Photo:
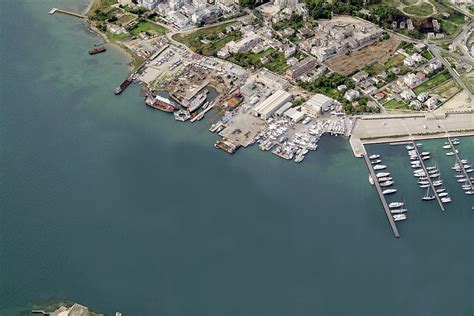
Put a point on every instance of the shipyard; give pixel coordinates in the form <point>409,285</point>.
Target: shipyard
<point>281,80</point>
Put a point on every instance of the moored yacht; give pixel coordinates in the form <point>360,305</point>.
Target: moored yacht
<point>395,204</point>
<point>380,167</point>
<point>389,191</point>
<point>399,217</point>
<point>374,156</point>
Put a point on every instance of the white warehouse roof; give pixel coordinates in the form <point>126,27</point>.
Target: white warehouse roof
<point>319,100</point>
<point>272,103</point>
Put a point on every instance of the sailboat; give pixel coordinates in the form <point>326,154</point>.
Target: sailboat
<point>428,196</point>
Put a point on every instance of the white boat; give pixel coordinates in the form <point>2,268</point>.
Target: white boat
<point>376,161</point>
<point>469,192</point>
<point>398,210</point>
<point>428,196</point>
<point>374,156</point>
<point>443,194</point>
<point>382,174</point>
<point>385,179</point>
<point>389,191</point>
<point>464,161</point>
<point>399,217</point>
<point>419,145</point>
<point>449,153</point>
<point>437,183</point>
<point>425,153</point>
<point>395,204</point>
<point>424,186</point>
<point>409,147</point>
<point>371,181</point>
<point>386,183</point>
<point>446,200</point>
<point>425,157</point>
<point>198,101</point>
<point>446,146</point>
<point>456,142</point>
<point>434,175</point>
<point>439,190</point>
<point>380,167</point>
<point>182,115</point>
<point>462,180</point>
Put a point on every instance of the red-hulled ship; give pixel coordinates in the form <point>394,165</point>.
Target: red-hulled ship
<point>160,103</point>
<point>96,50</point>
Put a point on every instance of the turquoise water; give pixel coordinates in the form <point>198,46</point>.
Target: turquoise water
<point>118,207</point>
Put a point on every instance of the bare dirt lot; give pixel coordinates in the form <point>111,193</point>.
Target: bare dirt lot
<point>380,51</point>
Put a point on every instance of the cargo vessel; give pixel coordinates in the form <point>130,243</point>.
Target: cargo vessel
<point>123,86</point>
<point>97,50</point>
<point>159,103</point>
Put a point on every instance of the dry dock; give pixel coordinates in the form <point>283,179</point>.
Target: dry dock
<point>428,176</point>
<point>382,197</point>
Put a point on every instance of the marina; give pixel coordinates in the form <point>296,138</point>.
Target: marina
<point>385,205</point>
<point>461,166</point>
<point>426,173</point>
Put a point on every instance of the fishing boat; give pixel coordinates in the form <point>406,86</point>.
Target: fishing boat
<point>428,196</point>
<point>399,217</point>
<point>380,167</point>
<point>389,191</point>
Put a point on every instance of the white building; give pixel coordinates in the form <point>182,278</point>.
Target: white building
<point>148,4</point>
<point>294,115</point>
<point>268,106</point>
<point>351,95</point>
<point>178,19</point>
<point>317,104</point>
<point>407,95</point>
<point>248,42</point>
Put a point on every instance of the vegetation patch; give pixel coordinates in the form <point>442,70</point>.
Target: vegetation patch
<point>433,82</point>
<point>395,105</point>
<point>144,26</point>
<point>205,41</point>
<point>276,60</point>
<point>421,10</point>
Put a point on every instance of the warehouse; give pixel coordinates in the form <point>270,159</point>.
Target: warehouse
<point>317,104</point>
<point>267,107</point>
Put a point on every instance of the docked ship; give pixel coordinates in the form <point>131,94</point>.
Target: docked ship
<point>198,101</point>
<point>226,146</point>
<point>97,50</point>
<point>182,115</point>
<point>123,86</point>
<point>159,103</point>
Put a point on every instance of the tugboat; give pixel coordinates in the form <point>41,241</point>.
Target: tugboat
<point>97,50</point>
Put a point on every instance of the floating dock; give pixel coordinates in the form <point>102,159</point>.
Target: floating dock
<point>77,15</point>
<point>458,159</point>
<point>381,196</point>
<point>428,176</point>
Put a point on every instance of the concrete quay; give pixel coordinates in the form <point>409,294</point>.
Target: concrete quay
<point>78,15</point>
<point>381,196</point>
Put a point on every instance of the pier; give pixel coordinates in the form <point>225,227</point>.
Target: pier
<point>201,114</point>
<point>458,159</point>
<point>381,196</point>
<point>77,15</point>
<point>428,176</point>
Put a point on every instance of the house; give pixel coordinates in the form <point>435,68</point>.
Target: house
<point>408,95</point>
<point>422,97</point>
<point>351,95</point>
<point>358,77</point>
<point>416,105</point>
<point>431,103</point>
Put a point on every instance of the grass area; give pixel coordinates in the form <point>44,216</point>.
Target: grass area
<point>471,9</point>
<point>116,37</point>
<point>447,89</point>
<point>433,82</point>
<point>124,19</point>
<point>421,10</point>
<point>194,39</point>
<point>377,67</point>
<point>277,61</point>
<point>427,54</point>
<point>102,5</point>
<point>449,28</point>
<point>395,105</point>
<point>147,27</point>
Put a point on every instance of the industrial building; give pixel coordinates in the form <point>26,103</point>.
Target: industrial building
<point>268,106</point>
<point>317,104</point>
<point>301,67</point>
<point>294,115</point>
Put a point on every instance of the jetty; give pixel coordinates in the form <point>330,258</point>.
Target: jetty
<point>458,159</point>
<point>428,176</point>
<point>201,114</point>
<point>381,196</point>
<point>77,15</point>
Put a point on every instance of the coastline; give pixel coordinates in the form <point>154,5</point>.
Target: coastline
<point>91,26</point>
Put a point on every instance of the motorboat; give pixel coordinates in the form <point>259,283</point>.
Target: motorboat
<point>380,167</point>
<point>385,179</point>
<point>446,199</point>
<point>371,181</point>
<point>382,174</point>
<point>386,183</point>
<point>409,147</point>
<point>389,191</point>
<point>399,217</point>
<point>376,161</point>
<point>395,204</point>
<point>443,194</point>
<point>449,153</point>
<point>374,156</point>
<point>447,146</point>
<point>398,210</point>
